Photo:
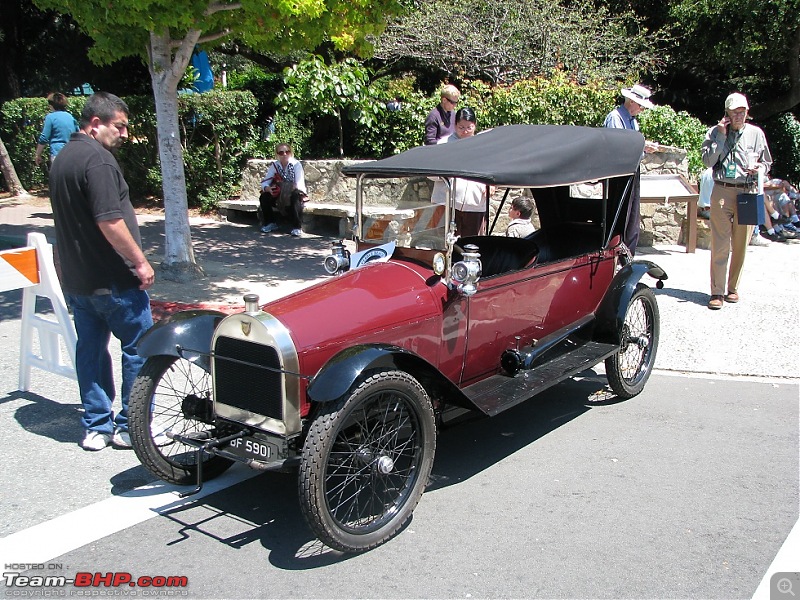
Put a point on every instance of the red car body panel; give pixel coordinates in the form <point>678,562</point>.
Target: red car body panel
<point>530,304</point>
<point>399,302</point>
<point>394,302</point>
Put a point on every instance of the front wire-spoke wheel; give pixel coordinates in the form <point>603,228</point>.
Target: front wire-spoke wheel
<point>172,395</point>
<point>366,461</point>
<point>629,369</point>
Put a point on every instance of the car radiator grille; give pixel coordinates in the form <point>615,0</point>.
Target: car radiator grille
<point>248,386</point>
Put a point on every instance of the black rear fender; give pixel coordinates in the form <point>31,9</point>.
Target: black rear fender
<point>611,313</point>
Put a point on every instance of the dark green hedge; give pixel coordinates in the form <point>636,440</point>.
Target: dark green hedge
<point>216,132</point>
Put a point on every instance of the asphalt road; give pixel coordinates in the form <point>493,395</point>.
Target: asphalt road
<point>685,491</point>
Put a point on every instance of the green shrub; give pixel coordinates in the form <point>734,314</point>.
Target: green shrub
<point>138,157</point>
<point>662,124</point>
<point>555,101</point>
<point>284,130</point>
<point>394,131</point>
<point>21,122</point>
<point>783,138</point>
<point>264,86</point>
<point>217,135</point>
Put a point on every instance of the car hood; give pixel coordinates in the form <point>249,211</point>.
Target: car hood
<point>366,303</point>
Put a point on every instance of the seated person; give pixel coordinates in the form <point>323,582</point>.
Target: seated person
<point>780,215</point>
<point>283,192</point>
<point>520,213</point>
<point>784,205</point>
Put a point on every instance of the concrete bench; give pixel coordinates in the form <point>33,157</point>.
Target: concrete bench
<point>233,209</point>
<point>345,213</point>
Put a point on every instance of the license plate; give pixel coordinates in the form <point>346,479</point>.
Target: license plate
<point>257,449</point>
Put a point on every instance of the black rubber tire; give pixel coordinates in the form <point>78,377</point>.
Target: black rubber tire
<point>629,369</point>
<point>157,404</point>
<point>366,461</point>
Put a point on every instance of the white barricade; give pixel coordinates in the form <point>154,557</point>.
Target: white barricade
<point>32,269</point>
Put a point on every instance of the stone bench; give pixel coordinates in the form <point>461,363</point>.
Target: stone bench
<point>345,213</point>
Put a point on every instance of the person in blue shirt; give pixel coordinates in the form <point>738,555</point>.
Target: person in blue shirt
<point>637,98</point>
<point>58,126</point>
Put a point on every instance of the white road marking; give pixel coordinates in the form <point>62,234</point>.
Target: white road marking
<point>43,542</point>
<point>787,560</point>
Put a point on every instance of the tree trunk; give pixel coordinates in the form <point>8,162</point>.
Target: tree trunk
<point>165,72</point>
<point>10,173</point>
<point>341,131</point>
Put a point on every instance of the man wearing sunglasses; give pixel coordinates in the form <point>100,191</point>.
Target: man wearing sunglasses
<point>441,120</point>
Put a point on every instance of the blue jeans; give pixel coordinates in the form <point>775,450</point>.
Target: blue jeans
<point>127,315</point>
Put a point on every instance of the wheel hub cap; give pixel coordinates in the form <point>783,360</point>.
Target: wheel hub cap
<point>385,465</point>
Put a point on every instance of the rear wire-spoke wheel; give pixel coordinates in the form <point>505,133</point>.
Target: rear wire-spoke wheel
<point>629,369</point>
<point>172,395</point>
<point>366,461</point>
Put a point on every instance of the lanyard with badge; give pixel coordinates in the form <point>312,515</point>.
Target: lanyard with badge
<point>730,160</point>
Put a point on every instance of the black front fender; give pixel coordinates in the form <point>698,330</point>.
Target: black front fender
<point>185,334</point>
<point>611,313</point>
<point>340,372</point>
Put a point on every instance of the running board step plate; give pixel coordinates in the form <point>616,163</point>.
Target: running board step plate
<point>500,392</point>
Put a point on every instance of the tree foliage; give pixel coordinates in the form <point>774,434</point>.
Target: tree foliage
<point>314,88</point>
<point>747,45</point>
<point>503,41</point>
<point>43,51</point>
<point>166,32</point>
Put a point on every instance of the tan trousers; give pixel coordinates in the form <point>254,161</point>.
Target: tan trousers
<point>727,237</point>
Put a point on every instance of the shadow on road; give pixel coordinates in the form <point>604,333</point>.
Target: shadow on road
<point>59,422</point>
<point>266,510</point>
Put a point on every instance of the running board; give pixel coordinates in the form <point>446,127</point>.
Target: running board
<point>500,392</point>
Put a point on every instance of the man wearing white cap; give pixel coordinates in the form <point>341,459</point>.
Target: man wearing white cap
<point>637,98</point>
<point>737,151</point>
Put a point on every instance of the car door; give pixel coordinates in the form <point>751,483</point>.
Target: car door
<point>529,304</point>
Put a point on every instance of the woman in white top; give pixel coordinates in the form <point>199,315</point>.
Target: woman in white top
<point>470,196</point>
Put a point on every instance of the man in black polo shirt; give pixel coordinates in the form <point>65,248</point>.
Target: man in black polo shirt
<point>103,269</point>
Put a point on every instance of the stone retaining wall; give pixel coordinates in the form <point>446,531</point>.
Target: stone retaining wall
<point>326,184</point>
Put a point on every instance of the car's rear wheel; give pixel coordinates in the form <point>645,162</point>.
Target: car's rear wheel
<point>366,461</point>
<point>629,369</point>
<point>172,395</point>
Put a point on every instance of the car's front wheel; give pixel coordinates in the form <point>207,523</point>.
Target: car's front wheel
<point>366,461</point>
<point>172,395</point>
<point>629,369</point>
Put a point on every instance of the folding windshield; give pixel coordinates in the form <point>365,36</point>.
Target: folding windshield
<point>400,210</point>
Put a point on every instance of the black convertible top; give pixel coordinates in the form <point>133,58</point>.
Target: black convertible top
<point>520,156</point>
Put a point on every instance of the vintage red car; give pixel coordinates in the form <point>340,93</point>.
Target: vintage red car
<point>348,380</point>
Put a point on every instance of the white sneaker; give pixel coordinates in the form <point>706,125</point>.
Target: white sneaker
<point>121,439</point>
<point>296,232</point>
<point>758,240</point>
<point>94,440</point>
<point>269,227</point>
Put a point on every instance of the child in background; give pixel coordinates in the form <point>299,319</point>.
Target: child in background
<point>520,213</point>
